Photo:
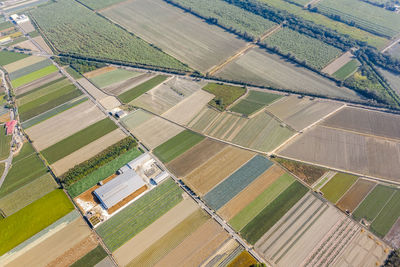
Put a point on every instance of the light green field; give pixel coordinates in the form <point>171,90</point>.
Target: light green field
<point>254,101</point>
<point>348,69</point>
<point>225,95</point>
<point>387,217</point>
<point>137,91</point>
<point>34,76</point>
<point>114,76</point>
<point>337,186</point>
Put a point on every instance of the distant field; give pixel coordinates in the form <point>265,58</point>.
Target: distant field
<point>255,100</point>
<point>392,78</point>
<point>28,69</point>
<point>10,57</point>
<point>99,4</point>
<point>337,186</point>
<point>225,95</point>
<point>78,140</point>
<point>395,51</point>
<point>387,217</point>
<point>243,259</point>
<point>107,40</point>
<point>33,76</point>
<point>182,35</point>
<point>32,219</point>
<point>313,52</point>
<point>73,73</point>
<point>177,145</point>
<point>137,91</point>
<point>92,258</point>
<point>141,213</point>
<point>363,15</point>
<point>4,143</point>
<point>355,195</point>
<point>113,76</point>
<point>348,69</point>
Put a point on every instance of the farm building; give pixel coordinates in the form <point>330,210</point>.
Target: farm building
<point>19,18</point>
<point>119,188</point>
<point>10,125</point>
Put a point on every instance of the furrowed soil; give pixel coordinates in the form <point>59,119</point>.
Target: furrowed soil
<point>355,195</point>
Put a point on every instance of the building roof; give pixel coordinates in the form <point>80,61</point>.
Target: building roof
<point>119,188</point>
<point>10,126</point>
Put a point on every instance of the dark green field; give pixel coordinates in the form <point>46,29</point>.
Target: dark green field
<point>92,258</point>
<point>254,101</point>
<point>387,217</point>
<point>137,91</point>
<point>10,57</point>
<point>225,95</point>
<point>348,69</point>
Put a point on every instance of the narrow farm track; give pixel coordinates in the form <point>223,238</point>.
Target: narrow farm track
<point>391,44</point>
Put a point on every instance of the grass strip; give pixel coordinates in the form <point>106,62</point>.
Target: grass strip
<point>78,140</point>
<point>33,76</point>
<point>92,258</point>
<point>137,91</point>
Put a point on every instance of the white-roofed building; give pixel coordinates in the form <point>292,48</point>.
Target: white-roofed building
<point>119,188</point>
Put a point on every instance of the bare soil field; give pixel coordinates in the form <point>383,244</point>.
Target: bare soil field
<point>54,246</point>
<point>366,122</point>
<point>338,63</point>
<point>393,236</point>
<point>156,131</point>
<point>121,87</point>
<point>251,192</point>
<point>197,247</point>
<point>260,67</point>
<point>27,45</point>
<point>345,150</point>
<point>37,83</point>
<point>180,34</point>
<point>154,232</point>
<point>27,26</point>
<point>136,118</point>
<point>206,176</point>
<point>43,44</point>
<point>355,195</point>
<point>301,112</point>
<point>195,157</point>
<point>224,254</point>
<point>87,152</point>
<point>23,63</point>
<point>94,73</point>
<point>108,102</point>
<point>63,125</point>
<point>185,110</point>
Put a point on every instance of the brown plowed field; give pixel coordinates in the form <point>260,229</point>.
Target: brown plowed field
<point>97,72</point>
<point>197,247</point>
<point>393,237</point>
<point>355,195</point>
<point>195,157</point>
<point>245,197</point>
<point>216,169</point>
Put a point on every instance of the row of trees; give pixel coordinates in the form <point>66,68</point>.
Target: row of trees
<point>79,65</point>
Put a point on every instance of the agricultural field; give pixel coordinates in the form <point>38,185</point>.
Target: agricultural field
<point>395,51</point>
<point>107,101</point>
<point>224,94</point>
<point>370,18</point>
<point>392,78</point>
<point>243,259</point>
<point>260,67</point>
<point>92,258</point>
<point>322,145</point>
<point>236,182</point>
<point>254,101</point>
<point>4,143</point>
<point>302,112</point>
<point>29,68</point>
<point>229,16</point>
<point>313,52</point>
<point>123,86</point>
<point>347,70</point>
<point>108,41</point>
<point>32,219</point>
<point>22,62</point>
<point>28,78</point>
<point>177,145</point>
<point>334,189</point>
<point>355,195</point>
<point>112,77</point>
<point>38,83</point>
<point>99,4</point>
<point>140,89</point>
<point>138,215</point>
<point>182,35</point>
<point>10,57</point>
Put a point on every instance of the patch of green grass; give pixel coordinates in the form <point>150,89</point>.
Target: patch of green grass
<point>33,76</point>
<point>141,213</point>
<point>26,150</point>
<point>373,203</point>
<point>29,69</point>
<point>262,97</point>
<point>261,201</point>
<point>246,107</point>
<point>337,186</point>
<point>387,217</point>
<point>348,69</point>
<point>177,145</point>
<point>111,77</point>
<point>253,102</point>
<point>137,91</point>
<point>76,75</point>
<point>6,25</point>
<point>78,140</point>
<point>92,258</point>
<point>225,95</point>
<point>271,214</point>
<point>102,173</point>
<point>4,143</point>
<point>7,57</point>
<point>32,219</point>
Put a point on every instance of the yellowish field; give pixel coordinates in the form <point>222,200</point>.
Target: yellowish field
<point>23,63</point>
<point>94,73</point>
<point>27,45</point>
<point>43,44</point>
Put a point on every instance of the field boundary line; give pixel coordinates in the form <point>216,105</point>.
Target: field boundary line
<point>329,173</point>
<point>362,200</point>
<point>389,199</point>
<point>347,190</point>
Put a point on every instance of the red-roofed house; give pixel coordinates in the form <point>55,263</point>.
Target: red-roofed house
<point>10,126</point>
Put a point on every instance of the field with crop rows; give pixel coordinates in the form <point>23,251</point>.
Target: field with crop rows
<point>355,195</point>
<point>4,143</point>
<point>337,186</point>
<point>363,15</point>
<point>260,67</point>
<point>236,182</point>
<point>108,41</point>
<point>254,100</point>
<point>138,215</point>
<point>10,57</point>
<point>114,76</point>
<point>348,69</point>
<point>313,52</point>
<point>33,76</point>
<point>387,216</point>
<point>92,258</point>
<point>137,91</point>
<point>33,218</point>
<point>182,35</point>
<point>28,69</point>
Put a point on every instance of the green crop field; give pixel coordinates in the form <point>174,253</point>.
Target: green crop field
<point>387,217</point>
<point>348,69</point>
<point>337,186</point>
<point>4,143</point>
<point>7,57</point>
<point>92,258</point>
<point>33,76</point>
<point>371,39</point>
<point>102,173</point>
<point>32,219</point>
<point>273,212</point>
<point>177,145</point>
<point>137,91</point>
<point>258,204</point>
<point>363,15</point>
<point>76,75</point>
<point>225,95</point>
<point>29,69</point>
<point>373,203</point>
<point>313,52</point>
<point>229,16</point>
<point>107,41</point>
<point>253,102</point>
<point>141,213</point>
<point>114,76</point>
<point>19,96</point>
<point>78,140</point>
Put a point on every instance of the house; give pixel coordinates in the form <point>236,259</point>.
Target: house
<point>10,125</point>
